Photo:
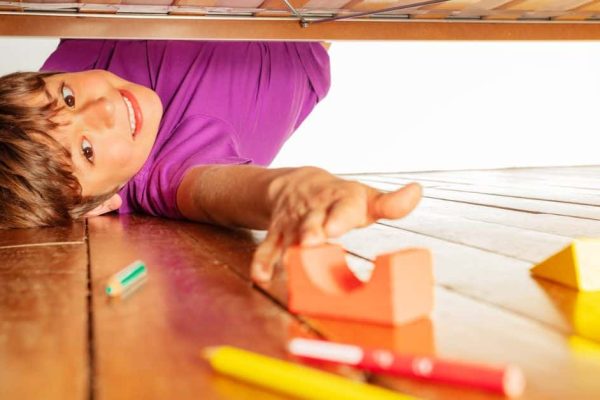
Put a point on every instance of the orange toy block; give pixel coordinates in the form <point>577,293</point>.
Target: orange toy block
<point>320,283</point>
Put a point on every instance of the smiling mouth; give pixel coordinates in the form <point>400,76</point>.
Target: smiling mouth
<point>133,111</point>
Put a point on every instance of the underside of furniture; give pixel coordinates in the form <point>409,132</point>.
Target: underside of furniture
<point>305,20</point>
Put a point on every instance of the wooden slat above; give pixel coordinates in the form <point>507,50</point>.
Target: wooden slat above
<point>212,28</point>
<point>450,8</point>
<point>275,20</point>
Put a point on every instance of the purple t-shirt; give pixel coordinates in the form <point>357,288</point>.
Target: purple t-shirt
<point>224,102</point>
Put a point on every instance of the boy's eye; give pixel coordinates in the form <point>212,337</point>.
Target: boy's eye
<point>87,150</point>
<point>68,96</point>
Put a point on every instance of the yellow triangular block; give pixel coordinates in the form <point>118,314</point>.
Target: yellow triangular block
<point>586,315</point>
<point>579,309</point>
<point>584,347</point>
<point>577,265</point>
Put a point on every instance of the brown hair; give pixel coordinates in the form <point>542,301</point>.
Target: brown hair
<point>37,185</point>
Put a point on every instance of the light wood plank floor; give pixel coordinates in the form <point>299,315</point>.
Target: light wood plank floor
<point>61,337</point>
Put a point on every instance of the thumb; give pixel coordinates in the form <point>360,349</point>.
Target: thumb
<point>397,204</point>
<point>115,202</point>
<point>109,205</point>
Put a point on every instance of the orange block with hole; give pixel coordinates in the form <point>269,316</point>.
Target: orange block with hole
<point>320,283</point>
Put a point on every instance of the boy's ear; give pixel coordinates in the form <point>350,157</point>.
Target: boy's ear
<point>109,205</point>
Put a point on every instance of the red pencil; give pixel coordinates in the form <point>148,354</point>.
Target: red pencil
<point>508,380</point>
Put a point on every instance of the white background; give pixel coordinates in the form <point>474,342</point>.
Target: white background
<point>405,106</point>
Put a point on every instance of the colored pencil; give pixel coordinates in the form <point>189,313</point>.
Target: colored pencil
<point>508,380</point>
<point>126,280</point>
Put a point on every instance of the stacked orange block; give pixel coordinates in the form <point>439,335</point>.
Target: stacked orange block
<point>400,289</point>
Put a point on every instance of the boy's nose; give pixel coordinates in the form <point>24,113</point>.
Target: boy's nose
<point>100,113</point>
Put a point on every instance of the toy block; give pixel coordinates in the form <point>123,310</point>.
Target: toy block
<point>584,348</point>
<point>320,283</point>
<point>577,265</point>
<point>579,309</point>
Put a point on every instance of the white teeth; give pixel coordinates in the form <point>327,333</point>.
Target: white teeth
<point>132,121</point>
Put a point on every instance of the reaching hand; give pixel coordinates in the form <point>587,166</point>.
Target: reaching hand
<point>311,205</point>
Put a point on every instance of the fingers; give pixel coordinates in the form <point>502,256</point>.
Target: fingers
<point>271,251</point>
<point>396,204</point>
<point>308,231</point>
<point>264,259</point>
<point>312,232</point>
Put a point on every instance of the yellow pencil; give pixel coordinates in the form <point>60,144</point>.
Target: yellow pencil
<point>292,379</point>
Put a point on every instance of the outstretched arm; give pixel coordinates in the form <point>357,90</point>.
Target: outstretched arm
<point>303,205</point>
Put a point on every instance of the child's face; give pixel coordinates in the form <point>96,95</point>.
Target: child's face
<point>106,151</point>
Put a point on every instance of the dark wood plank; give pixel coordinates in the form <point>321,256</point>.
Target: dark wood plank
<point>148,344</point>
<point>43,323</point>
<point>73,234</point>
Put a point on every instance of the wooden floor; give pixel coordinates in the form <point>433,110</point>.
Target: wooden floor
<point>61,338</point>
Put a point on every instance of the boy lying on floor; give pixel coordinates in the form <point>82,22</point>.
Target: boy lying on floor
<point>178,129</point>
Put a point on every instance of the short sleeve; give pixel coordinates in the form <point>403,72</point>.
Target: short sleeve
<point>73,55</point>
<point>198,140</point>
<point>315,61</point>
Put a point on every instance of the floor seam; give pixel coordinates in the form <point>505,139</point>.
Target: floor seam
<point>264,292</point>
<point>14,246</point>
<point>90,321</point>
